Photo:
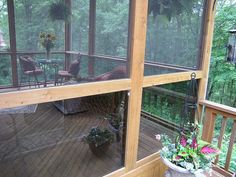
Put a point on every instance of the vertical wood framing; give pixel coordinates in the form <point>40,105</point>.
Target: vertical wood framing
<point>137,52</point>
<point>231,146</point>
<point>92,30</point>
<point>220,139</point>
<point>67,37</point>
<point>12,35</point>
<point>209,125</point>
<point>207,33</point>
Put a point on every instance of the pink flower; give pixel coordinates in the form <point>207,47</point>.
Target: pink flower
<point>208,150</point>
<point>183,141</point>
<point>194,143</point>
<point>158,137</point>
<point>178,157</point>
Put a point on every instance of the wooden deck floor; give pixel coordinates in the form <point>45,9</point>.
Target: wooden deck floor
<point>49,144</point>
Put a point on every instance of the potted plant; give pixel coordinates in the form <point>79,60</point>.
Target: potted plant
<point>189,155</point>
<point>99,140</point>
<point>59,11</point>
<point>115,123</point>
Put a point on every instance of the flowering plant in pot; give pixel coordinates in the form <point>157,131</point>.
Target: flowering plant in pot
<point>188,155</point>
<point>47,41</point>
<point>99,140</point>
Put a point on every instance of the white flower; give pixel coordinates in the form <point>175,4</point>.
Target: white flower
<point>158,137</point>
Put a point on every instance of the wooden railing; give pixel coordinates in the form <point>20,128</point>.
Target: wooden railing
<point>211,111</point>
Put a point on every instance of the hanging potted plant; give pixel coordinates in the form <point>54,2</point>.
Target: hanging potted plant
<point>59,11</point>
<point>188,155</point>
<point>99,140</point>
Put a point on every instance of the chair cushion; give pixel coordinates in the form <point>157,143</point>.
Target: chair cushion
<point>37,71</point>
<point>117,73</point>
<point>74,67</point>
<point>64,74</point>
<point>27,63</point>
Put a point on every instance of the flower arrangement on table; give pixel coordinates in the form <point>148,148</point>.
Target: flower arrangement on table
<point>47,41</point>
<point>188,151</point>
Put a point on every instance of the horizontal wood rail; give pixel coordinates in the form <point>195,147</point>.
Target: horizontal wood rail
<point>211,111</point>
<point>33,52</point>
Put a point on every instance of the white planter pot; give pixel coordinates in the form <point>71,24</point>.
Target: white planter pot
<point>176,171</point>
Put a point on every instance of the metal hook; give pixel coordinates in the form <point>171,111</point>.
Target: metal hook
<point>193,75</point>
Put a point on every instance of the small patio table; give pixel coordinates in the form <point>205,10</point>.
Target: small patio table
<point>47,65</point>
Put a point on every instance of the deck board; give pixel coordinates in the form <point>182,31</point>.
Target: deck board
<point>49,144</point>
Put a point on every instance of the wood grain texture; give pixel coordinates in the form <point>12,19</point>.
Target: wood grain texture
<point>221,109</point>
<point>207,36</point>
<point>220,139</point>
<point>137,44</point>
<point>149,81</point>
<point>209,125</point>
<point>20,98</point>
<point>231,146</point>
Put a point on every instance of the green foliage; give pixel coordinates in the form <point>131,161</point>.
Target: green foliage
<point>169,8</point>
<point>99,136</point>
<point>189,151</point>
<point>222,76</point>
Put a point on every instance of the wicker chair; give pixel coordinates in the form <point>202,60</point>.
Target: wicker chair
<point>29,68</point>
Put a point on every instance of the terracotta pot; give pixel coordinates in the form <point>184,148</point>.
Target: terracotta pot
<point>99,150</point>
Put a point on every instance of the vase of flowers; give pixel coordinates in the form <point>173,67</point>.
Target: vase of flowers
<point>47,41</point>
<point>188,155</point>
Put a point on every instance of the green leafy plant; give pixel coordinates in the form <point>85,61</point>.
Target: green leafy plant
<point>59,11</point>
<point>188,151</point>
<point>99,136</point>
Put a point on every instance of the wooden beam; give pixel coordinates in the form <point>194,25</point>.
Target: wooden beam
<point>169,78</point>
<point>92,31</point>
<point>209,125</point>
<point>67,37</point>
<point>27,97</point>
<point>138,19</point>
<point>208,27</point>
<point>224,110</point>
<point>12,35</point>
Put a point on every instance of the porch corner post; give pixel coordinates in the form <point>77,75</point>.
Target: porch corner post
<point>138,20</point>
<point>208,28</point>
<point>67,37</point>
<point>12,35</point>
<point>92,31</point>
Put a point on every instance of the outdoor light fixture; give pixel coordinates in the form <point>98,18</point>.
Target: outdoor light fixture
<point>231,47</point>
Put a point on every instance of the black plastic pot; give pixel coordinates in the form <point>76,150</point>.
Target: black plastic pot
<point>99,150</point>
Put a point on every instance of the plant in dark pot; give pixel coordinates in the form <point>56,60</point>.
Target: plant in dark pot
<point>99,140</point>
<point>59,11</point>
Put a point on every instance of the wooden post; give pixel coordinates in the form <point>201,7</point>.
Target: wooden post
<point>12,35</point>
<point>137,52</point>
<point>92,30</point>
<point>67,37</point>
<point>207,36</point>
